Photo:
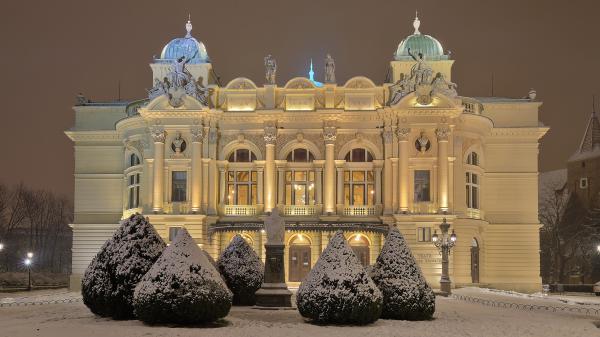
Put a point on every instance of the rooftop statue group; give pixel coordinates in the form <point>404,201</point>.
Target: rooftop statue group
<point>422,81</point>
<point>179,82</point>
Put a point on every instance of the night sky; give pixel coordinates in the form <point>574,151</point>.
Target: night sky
<point>51,50</point>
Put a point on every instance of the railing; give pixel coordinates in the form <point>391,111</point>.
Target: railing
<point>424,208</point>
<point>239,210</point>
<point>360,210</point>
<point>177,208</point>
<point>474,213</point>
<point>299,210</point>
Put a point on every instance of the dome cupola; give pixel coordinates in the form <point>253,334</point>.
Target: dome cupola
<point>187,46</point>
<point>417,43</point>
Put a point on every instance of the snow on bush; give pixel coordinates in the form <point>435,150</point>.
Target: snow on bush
<point>338,289</point>
<point>406,295</point>
<point>242,270</point>
<point>182,287</point>
<point>108,283</point>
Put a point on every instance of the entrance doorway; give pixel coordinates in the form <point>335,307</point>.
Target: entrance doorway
<point>475,261</point>
<point>300,259</point>
<point>360,246</point>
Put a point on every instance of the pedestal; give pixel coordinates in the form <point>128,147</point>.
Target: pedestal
<point>274,292</point>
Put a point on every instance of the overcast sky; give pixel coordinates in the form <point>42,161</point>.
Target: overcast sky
<point>51,50</point>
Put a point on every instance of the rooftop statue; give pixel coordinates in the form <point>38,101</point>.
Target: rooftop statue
<point>329,69</point>
<point>271,69</point>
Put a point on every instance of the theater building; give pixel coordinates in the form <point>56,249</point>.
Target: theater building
<point>355,156</point>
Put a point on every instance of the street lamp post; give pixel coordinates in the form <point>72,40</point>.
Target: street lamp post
<point>28,262</point>
<point>444,244</point>
<point>1,250</point>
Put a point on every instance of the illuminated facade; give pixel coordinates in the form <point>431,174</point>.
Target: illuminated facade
<point>356,156</point>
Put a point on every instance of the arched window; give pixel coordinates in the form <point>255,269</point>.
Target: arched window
<point>242,156</point>
<point>360,246</point>
<point>473,159</point>
<point>134,160</point>
<point>472,187</point>
<point>359,155</point>
<point>300,156</point>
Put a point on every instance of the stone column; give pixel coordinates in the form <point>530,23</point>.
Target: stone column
<point>403,133</point>
<point>197,138</point>
<point>340,188</point>
<point>213,174</point>
<point>223,187</point>
<point>442,137</point>
<point>378,187</point>
<point>280,186</point>
<point>158,136</point>
<point>270,136</point>
<point>259,185</point>
<point>388,138</point>
<point>329,135</point>
<point>318,187</point>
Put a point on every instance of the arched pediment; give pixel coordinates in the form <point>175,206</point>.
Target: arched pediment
<point>437,101</point>
<point>241,83</point>
<point>299,83</point>
<point>360,143</point>
<point>359,82</point>
<point>296,144</point>
<point>162,103</point>
<point>236,144</point>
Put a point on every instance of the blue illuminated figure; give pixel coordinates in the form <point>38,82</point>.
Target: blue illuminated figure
<point>311,76</point>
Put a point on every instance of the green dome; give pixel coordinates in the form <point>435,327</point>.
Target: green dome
<point>420,43</point>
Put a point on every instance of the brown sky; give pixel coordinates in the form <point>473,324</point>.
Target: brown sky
<point>53,49</point>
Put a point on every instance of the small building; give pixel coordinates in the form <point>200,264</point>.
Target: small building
<point>358,157</point>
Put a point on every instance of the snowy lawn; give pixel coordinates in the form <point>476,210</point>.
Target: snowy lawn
<point>452,318</point>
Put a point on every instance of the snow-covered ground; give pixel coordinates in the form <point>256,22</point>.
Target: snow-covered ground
<point>452,318</point>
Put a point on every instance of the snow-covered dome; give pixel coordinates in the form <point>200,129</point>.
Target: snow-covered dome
<point>417,43</point>
<point>187,46</point>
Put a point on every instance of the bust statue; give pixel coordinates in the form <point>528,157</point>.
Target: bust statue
<point>275,227</point>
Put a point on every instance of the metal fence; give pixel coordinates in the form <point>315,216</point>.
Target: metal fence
<point>528,307</point>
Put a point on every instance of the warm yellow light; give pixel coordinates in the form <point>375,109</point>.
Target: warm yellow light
<point>357,237</point>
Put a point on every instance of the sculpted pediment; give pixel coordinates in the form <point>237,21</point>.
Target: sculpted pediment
<point>428,103</point>
<point>163,103</point>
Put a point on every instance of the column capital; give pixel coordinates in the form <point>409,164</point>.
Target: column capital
<point>402,133</point>
<point>388,135</point>
<point>270,133</point>
<point>442,133</point>
<point>158,133</point>
<point>329,134</point>
<point>197,134</point>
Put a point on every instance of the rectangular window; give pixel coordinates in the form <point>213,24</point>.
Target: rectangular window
<point>133,200</point>
<point>423,234</point>
<point>422,186</point>
<point>173,232</point>
<point>583,183</point>
<point>179,186</point>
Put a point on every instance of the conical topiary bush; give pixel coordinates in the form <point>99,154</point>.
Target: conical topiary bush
<point>108,283</point>
<point>182,287</point>
<point>242,270</point>
<point>406,295</point>
<point>338,289</point>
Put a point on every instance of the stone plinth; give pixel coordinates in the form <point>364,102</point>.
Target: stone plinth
<point>274,292</point>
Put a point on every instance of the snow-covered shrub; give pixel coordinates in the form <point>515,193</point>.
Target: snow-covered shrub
<point>242,270</point>
<point>338,289</point>
<point>108,283</point>
<point>182,287</point>
<point>406,295</point>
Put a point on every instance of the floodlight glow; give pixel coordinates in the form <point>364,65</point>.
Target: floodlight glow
<point>27,262</point>
<point>29,255</point>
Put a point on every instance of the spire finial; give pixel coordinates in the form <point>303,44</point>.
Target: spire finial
<point>188,26</point>
<point>417,23</point>
<point>311,73</point>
